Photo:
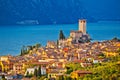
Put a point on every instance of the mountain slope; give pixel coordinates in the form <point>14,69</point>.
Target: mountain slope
<point>45,11</point>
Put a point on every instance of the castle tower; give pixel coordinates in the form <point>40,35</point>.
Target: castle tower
<point>82,26</point>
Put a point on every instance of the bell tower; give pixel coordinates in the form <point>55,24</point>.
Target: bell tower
<point>82,26</point>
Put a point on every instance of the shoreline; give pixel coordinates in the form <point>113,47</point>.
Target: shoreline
<point>92,41</point>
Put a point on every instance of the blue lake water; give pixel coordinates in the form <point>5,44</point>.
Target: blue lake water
<point>12,38</point>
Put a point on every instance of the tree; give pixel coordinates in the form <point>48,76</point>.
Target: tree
<point>39,71</point>
<point>57,43</point>
<point>33,46</point>
<point>42,78</point>
<point>38,45</point>
<point>27,74</point>
<point>69,70</point>
<point>29,48</point>
<point>118,51</point>
<point>23,50</point>
<point>30,75</point>
<point>61,35</point>
<point>116,39</point>
<point>61,77</point>
<point>35,73</point>
<point>3,77</point>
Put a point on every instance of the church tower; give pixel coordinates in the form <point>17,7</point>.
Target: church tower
<point>82,26</point>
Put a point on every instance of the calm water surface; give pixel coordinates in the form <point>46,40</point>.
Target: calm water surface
<point>12,38</point>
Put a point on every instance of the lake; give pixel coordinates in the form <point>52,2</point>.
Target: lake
<point>12,38</point>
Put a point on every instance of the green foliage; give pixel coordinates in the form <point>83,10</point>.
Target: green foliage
<point>39,71</point>
<point>35,73</point>
<point>42,77</point>
<point>118,51</point>
<point>69,70</point>
<point>61,77</point>
<point>24,50</point>
<point>102,55</point>
<point>57,42</point>
<point>116,39</point>
<point>106,71</point>
<point>3,77</point>
<point>29,48</point>
<point>73,66</point>
<point>67,78</point>
<point>101,71</point>
<point>27,74</point>
<point>38,45</point>
<point>61,35</point>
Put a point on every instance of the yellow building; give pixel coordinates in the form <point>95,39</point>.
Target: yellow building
<point>79,73</point>
<point>18,68</point>
<point>4,66</point>
<point>4,58</point>
<point>110,53</point>
<point>74,75</point>
<point>55,74</point>
<point>118,45</point>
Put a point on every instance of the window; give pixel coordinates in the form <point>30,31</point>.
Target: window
<point>84,21</point>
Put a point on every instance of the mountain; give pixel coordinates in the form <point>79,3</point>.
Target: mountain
<point>43,11</point>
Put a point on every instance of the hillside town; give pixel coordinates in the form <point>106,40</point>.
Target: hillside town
<point>66,59</point>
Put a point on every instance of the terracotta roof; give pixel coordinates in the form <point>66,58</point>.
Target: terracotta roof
<point>78,61</point>
<point>4,63</point>
<point>39,63</point>
<point>83,72</point>
<point>18,64</point>
<point>55,71</point>
<point>76,31</point>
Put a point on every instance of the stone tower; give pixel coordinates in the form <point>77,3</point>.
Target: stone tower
<point>82,26</point>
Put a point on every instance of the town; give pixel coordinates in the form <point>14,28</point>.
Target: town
<point>72,58</point>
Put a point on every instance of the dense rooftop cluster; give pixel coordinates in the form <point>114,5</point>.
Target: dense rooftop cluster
<point>53,60</point>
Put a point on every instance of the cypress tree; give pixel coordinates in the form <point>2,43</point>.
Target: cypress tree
<point>27,74</point>
<point>39,71</point>
<point>61,35</point>
<point>38,45</point>
<point>29,48</point>
<point>35,73</point>
<point>23,50</point>
<point>3,77</point>
<point>57,42</point>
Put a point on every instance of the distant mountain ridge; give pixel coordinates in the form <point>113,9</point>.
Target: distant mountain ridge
<point>44,11</point>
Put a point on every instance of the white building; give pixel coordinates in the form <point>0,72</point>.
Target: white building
<point>43,70</point>
<point>30,70</point>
